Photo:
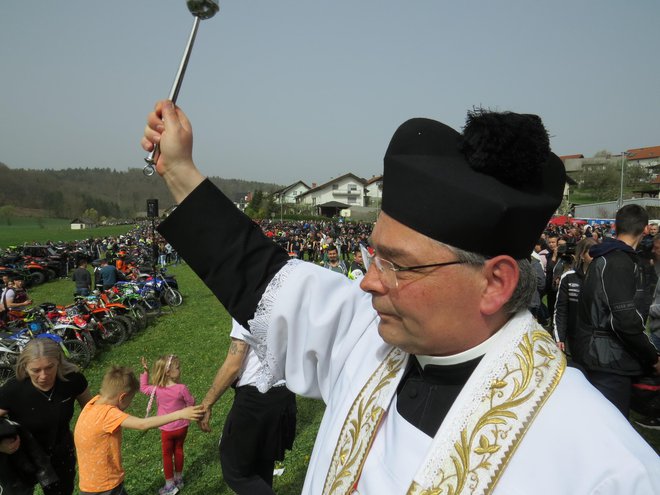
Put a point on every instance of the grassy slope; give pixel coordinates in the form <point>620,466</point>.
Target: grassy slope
<point>198,332</point>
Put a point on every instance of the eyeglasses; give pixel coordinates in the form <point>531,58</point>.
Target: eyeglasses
<point>387,270</point>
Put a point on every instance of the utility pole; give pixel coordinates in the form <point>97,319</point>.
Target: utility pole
<point>623,164</point>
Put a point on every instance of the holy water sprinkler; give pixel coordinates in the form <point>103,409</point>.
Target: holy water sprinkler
<point>200,9</point>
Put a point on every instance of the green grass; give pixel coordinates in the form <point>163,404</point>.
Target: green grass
<point>20,230</point>
<point>198,332</point>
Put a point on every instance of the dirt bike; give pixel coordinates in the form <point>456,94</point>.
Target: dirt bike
<point>165,286</point>
<point>13,343</point>
<point>105,328</point>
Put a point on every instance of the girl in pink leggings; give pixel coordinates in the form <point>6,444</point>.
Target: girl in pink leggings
<point>170,396</point>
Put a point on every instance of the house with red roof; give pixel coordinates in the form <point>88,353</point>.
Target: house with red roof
<point>647,157</point>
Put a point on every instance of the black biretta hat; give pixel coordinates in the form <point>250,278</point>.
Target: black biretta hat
<point>490,190</point>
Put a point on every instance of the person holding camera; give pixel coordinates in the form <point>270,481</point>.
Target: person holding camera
<point>41,400</point>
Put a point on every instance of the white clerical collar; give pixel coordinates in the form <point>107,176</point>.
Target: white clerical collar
<point>461,357</point>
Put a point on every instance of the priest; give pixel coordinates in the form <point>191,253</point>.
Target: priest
<point>436,377</point>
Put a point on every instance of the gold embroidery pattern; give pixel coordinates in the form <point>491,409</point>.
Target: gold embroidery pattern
<point>489,440</point>
<point>360,425</point>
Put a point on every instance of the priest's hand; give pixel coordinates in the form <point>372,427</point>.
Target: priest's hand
<point>169,127</point>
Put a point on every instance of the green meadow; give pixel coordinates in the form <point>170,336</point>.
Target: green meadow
<point>16,231</point>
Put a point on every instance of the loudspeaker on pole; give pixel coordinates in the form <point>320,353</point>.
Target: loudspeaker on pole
<point>152,208</point>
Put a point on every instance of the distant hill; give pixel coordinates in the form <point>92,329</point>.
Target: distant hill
<point>119,194</point>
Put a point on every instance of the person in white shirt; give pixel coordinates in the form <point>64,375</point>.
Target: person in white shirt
<point>260,425</point>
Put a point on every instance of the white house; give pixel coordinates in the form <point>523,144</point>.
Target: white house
<point>82,223</point>
<point>290,194</point>
<point>373,191</point>
<point>336,194</point>
<point>647,157</point>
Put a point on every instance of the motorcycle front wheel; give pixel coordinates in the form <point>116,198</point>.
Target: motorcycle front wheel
<point>172,297</point>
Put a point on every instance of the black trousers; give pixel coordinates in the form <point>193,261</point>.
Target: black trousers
<point>615,388</point>
<point>64,463</point>
<point>257,431</point>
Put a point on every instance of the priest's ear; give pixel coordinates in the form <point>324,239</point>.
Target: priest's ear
<point>502,275</point>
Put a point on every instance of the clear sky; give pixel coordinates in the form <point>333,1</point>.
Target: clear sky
<point>283,90</point>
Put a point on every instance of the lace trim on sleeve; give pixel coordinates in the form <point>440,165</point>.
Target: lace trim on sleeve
<point>271,370</point>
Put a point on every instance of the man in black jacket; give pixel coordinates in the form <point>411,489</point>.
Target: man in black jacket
<point>611,343</point>
<point>82,278</point>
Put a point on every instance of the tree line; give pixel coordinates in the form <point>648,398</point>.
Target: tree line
<point>70,193</point>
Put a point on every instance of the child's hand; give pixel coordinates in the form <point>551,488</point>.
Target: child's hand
<point>193,413</point>
<point>145,364</point>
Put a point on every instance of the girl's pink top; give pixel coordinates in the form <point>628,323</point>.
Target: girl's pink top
<point>170,399</point>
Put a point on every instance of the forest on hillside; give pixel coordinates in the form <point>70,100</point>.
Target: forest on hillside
<point>72,192</point>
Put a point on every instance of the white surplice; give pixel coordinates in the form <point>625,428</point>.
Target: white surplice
<point>318,330</point>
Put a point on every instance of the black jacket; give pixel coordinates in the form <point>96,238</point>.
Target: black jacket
<point>566,307</point>
<point>210,249</point>
<point>610,330</point>
<point>28,465</point>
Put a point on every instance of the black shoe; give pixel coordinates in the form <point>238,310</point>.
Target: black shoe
<point>650,423</point>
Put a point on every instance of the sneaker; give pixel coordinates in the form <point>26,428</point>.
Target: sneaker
<point>650,423</point>
<point>178,482</point>
<point>168,490</point>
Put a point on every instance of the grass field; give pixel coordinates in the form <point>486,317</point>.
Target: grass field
<point>20,230</point>
<point>198,332</point>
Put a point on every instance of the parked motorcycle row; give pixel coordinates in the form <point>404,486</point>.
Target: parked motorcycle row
<point>88,324</point>
<point>35,264</point>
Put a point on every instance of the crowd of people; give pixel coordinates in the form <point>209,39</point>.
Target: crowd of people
<point>600,287</point>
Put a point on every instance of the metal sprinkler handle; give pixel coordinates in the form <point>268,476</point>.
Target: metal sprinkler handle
<point>201,9</point>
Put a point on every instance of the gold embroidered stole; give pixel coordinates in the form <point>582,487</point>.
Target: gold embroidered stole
<point>362,422</point>
<point>470,454</point>
<point>483,428</point>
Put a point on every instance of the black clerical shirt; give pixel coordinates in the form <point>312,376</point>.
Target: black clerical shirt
<point>425,396</point>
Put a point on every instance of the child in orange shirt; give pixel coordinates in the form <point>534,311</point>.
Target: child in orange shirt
<point>98,432</point>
